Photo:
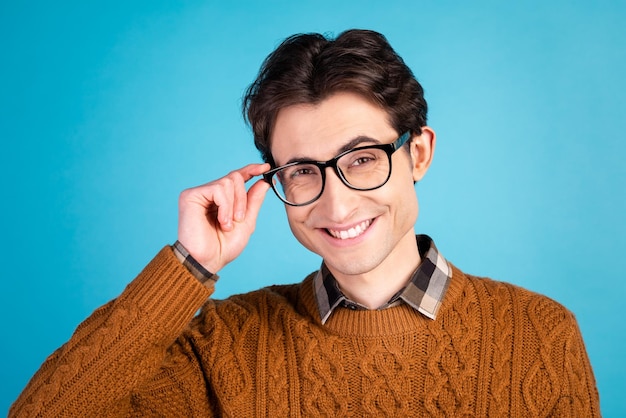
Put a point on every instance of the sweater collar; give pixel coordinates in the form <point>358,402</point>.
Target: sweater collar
<point>424,292</point>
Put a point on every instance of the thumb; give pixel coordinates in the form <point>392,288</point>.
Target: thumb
<point>256,196</point>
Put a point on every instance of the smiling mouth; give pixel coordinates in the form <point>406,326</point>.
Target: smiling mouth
<point>353,232</point>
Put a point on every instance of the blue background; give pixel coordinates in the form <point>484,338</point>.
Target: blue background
<point>109,109</point>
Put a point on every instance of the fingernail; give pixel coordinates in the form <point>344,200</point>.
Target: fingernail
<point>239,216</point>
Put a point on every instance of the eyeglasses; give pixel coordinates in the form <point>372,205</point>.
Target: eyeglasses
<point>364,168</point>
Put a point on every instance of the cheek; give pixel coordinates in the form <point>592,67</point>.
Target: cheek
<point>297,216</point>
<point>294,214</point>
<point>404,197</point>
<point>411,209</point>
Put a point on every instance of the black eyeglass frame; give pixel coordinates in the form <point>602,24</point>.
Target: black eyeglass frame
<point>389,149</point>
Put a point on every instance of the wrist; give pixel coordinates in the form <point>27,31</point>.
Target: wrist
<point>195,268</point>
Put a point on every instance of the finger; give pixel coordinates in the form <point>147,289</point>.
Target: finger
<point>253,170</point>
<point>240,197</point>
<point>223,196</point>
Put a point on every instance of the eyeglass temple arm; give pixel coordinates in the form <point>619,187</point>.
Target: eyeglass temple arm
<point>402,140</point>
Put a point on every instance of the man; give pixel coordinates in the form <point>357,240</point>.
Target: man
<point>386,327</point>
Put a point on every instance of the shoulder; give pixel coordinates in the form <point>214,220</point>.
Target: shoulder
<point>271,301</point>
<point>540,311</point>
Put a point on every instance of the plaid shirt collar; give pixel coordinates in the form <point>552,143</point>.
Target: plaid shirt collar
<point>424,292</point>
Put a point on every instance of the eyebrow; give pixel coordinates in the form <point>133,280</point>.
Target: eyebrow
<point>353,143</point>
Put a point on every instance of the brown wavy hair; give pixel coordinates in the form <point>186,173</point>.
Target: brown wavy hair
<point>307,68</point>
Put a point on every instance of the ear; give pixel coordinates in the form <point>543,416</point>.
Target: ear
<point>422,150</point>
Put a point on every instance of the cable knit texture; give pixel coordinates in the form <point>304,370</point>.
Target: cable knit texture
<point>494,350</point>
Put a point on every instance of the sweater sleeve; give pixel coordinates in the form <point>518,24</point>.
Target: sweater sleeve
<point>580,394</point>
<point>119,348</point>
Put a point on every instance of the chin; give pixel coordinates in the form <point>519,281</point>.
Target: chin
<point>350,266</point>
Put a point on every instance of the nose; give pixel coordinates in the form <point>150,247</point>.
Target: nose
<point>337,199</point>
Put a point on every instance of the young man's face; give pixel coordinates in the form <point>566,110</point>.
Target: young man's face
<point>380,221</point>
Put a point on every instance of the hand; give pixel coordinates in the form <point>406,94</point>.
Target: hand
<point>215,220</point>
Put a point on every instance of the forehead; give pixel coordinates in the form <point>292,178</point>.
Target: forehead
<point>318,131</point>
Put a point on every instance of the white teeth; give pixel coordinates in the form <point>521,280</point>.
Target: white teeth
<point>352,232</point>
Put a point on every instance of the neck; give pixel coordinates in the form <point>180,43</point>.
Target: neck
<point>376,287</point>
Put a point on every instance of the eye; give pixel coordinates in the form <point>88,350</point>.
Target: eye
<point>299,172</point>
<point>302,171</point>
<point>362,159</point>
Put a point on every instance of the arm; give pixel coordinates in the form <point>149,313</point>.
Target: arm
<point>119,346</point>
<point>123,344</point>
<point>581,394</point>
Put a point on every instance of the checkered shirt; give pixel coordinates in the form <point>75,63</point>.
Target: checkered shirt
<point>424,292</point>
<point>196,269</point>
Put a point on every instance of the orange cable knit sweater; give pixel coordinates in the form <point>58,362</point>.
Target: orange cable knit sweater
<point>494,350</point>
